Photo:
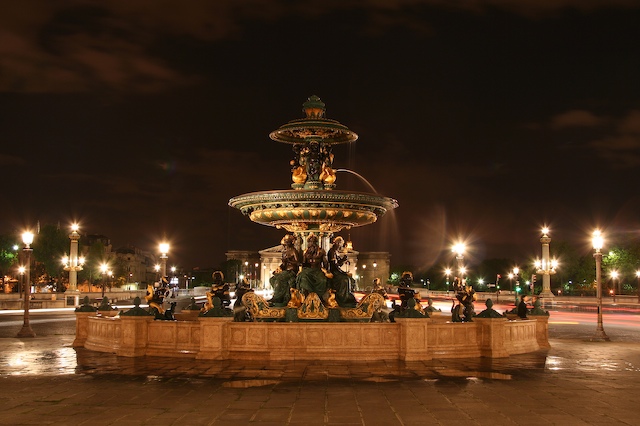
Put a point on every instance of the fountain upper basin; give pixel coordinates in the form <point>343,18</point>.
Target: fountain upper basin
<point>303,210</point>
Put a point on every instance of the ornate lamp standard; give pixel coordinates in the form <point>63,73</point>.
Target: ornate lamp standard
<point>164,249</point>
<point>26,331</point>
<point>598,241</point>
<point>74,264</point>
<point>638,276</point>
<point>545,266</point>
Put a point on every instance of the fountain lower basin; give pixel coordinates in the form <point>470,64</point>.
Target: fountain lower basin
<point>221,338</point>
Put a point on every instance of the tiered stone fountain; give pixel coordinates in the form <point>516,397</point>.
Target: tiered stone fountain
<point>313,205</point>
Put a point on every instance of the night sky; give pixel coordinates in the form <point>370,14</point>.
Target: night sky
<point>485,120</point>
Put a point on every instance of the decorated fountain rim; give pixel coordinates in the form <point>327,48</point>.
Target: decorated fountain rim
<point>292,197</point>
<point>315,126</point>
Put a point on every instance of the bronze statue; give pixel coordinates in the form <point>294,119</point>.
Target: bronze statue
<point>340,282</point>
<point>240,311</point>
<point>219,289</point>
<point>312,278</point>
<point>285,278</point>
<point>155,296</point>
<point>377,288</point>
<point>404,289</point>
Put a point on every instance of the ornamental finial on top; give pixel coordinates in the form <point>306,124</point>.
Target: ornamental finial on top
<point>314,107</point>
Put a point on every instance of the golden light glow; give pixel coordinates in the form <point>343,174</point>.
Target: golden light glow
<point>75,227</point>
<point>104,267</point>
<point>614,274</point>
<point>545,231</point>
<point>458,249</point>
<point>597,240</point>
<point>164,248</point>
<point>447,272</point>
<point>27,238</point>
<point>516,270</point>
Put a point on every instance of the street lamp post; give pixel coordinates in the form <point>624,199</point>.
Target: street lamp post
<point>638,289</point>
<point>26,331</point>
<point>516,272</point>
<point>447,272</point>
<point>103,270</point>
<point>21,271</point>
<point>598,241</point>
<point>164,250</point>
<point>255,274</point>
<point>614,277</point>
<point>546,267</point>
<point>459,249</point>
<point>74,263</point>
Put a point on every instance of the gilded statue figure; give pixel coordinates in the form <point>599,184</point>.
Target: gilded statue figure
<point>340,282</point>
<point>285,278</point>
<point>312,278</point>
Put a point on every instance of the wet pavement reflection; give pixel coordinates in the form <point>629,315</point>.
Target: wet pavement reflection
<point>55,356</point>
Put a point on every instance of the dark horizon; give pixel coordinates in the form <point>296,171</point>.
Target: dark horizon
<point>485,120</point>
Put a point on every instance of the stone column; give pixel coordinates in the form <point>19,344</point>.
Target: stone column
<point>413,339</point>
<point>134,335</point>
<point>82,327</point>
<point>491,337</point>
<point>214,339</point>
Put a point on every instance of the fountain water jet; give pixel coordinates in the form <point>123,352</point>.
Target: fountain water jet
<point>362,178</point>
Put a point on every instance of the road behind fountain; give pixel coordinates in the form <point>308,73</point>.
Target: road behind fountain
<point>46,381</point>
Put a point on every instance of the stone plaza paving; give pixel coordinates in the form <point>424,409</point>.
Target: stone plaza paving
<point>576,382</point>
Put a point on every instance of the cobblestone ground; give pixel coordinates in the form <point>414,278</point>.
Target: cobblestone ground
<point>576,382</point>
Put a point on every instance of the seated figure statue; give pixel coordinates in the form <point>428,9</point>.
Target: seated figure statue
<point>219,289</point>
<point>312,278</point>
<point>404,289</point>
<point>340,282</point>
<point>240,311</point>
<point>285,278</point>
<point>377,288</point>
<point>155,296</point>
